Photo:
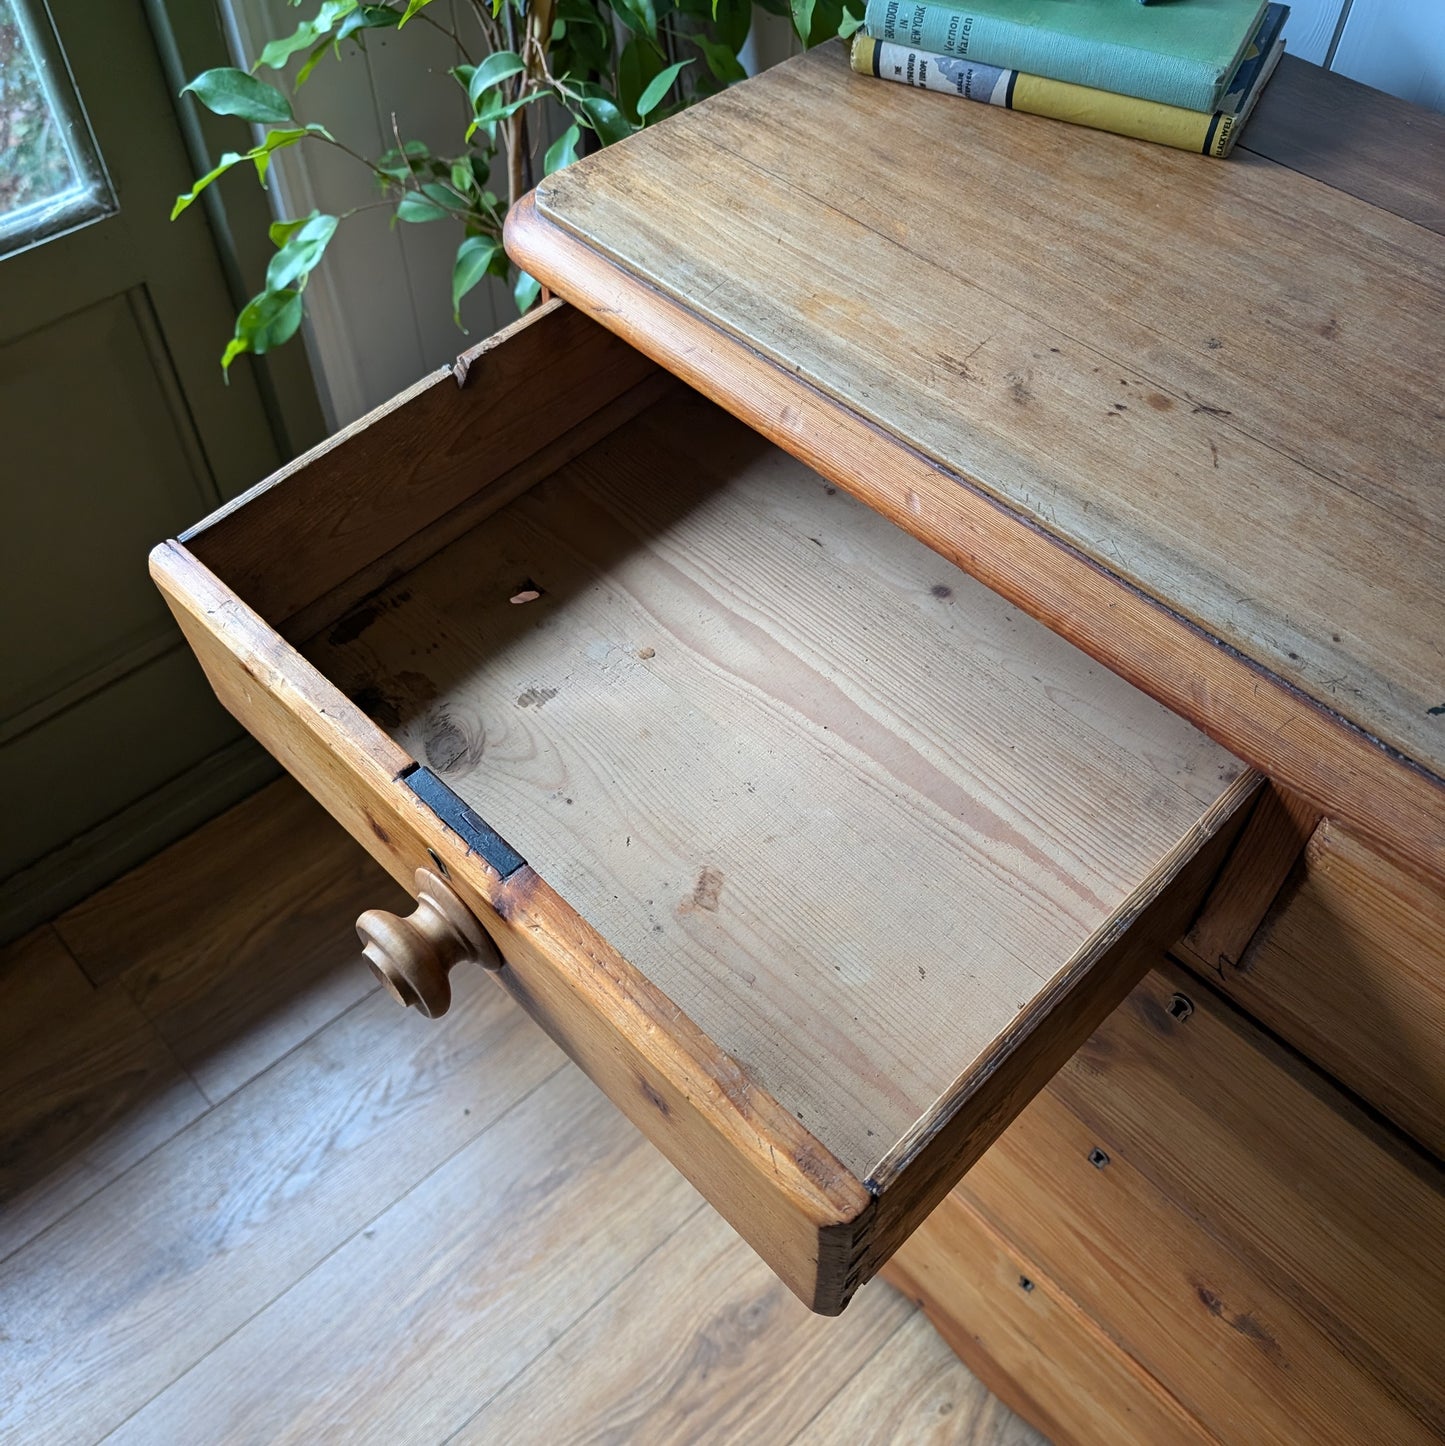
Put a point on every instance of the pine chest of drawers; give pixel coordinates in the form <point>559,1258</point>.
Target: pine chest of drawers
<point>941,717</point>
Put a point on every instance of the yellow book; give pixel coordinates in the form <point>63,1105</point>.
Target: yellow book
<point>1210,134</point>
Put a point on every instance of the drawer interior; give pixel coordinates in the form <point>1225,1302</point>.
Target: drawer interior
<point>847,808</point>
<point>820,858</point>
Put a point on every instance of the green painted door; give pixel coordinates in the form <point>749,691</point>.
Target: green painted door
<point>117,431</point>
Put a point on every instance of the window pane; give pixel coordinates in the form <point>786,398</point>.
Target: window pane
<point>51,177</point>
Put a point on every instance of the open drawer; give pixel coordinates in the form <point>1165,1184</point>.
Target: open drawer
<point>817,856</point>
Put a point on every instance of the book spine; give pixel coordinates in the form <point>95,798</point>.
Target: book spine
<point>955,30</point>
<point>1146,120</point>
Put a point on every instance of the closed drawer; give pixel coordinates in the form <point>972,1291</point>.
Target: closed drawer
<point>1349,966</point>
<point>1214,1241</point>
<point>816,855</point>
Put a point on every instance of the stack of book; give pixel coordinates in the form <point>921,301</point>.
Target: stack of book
<point>1186,73</point>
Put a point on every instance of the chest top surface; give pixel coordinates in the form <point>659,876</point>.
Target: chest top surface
<point>1219,382</point>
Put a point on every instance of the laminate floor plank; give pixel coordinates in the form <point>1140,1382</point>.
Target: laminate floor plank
<point>134,1287</point>
<point>703,1344</point>
<point>396,1230</point>
<point>916,1391</point>
<point>88,1087</point>
<point>230,945</point>
<point>450,1293</point>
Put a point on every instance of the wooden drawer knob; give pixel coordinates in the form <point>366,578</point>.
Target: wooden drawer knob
<point>414,956</point>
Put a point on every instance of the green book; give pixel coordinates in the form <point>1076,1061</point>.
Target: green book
<point>1184,53</point>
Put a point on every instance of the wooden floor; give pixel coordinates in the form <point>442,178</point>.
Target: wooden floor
<point>243,1197</point>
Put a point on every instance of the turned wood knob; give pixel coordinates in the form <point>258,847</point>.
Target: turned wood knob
<point>414,956</point>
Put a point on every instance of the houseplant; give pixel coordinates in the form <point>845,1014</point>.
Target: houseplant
<point>612,66</point>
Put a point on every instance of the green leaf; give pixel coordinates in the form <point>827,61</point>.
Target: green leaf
<point>606,119</point>
<point>526,291</point>
<point>231,158</point>
<point>416,207</point>
<point>463,182</point>
<point>367,17</point>
<point>399,164</point>
<point>851,24</point>
<point>278,52</point>
<point>733,21</point>
<point>266,321</point>
<point>640,60</point>
<point>721,60</point>
<point>281,231</point>
<point>639,16</point>
<point>261,155</point>
<point>311,62</point>
<point>493,109</point>
<point>661,83</point>
<point>412,6</point>
<point>802,18</point>
<point>300,253</point>
<point>474,256</point>
<point>276,140</point>
<point>562,151</point>
<point>227,91</point>
<point>500,65</point>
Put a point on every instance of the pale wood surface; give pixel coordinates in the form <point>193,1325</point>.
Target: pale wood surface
<point>1350,969</point>
<point>1034,1345</point>
<point>845,807</point>
<point>1251,486</point>
<point>251,966</point>
<point>1258,716</point>
<point>389,1231</point>
<point>944,1402</point>
<point>1258,450</point>
<point>1255,1242</point>
<point>760,1167</point>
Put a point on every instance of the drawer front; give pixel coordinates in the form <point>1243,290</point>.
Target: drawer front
<point>1349,967</point>
<point>818,857</point>
<point>1233,1227</point>
<point>1029,1341</point>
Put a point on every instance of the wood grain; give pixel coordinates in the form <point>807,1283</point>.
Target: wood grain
<point>276,889</point>
<point>1354,139</point>
<point>1033,1345</point>
<point>1103,372</point>
<point>87,1085</point>
<point>1257,711</point>
<point>739,694</point>
<point>918,1172</point>
<point>729,1370</point>
<point>1350,969</point>
<point>453,1291</point>
<point>760,1168</point>
<point>1252,1239</point>
<point>550,1219</point>
<point>215,1224</point>
<point>916,1390</point>
<point>332,512</point>
<point>1271,841</point>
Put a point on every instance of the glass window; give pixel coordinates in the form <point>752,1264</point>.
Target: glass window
<point>51,176</point>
